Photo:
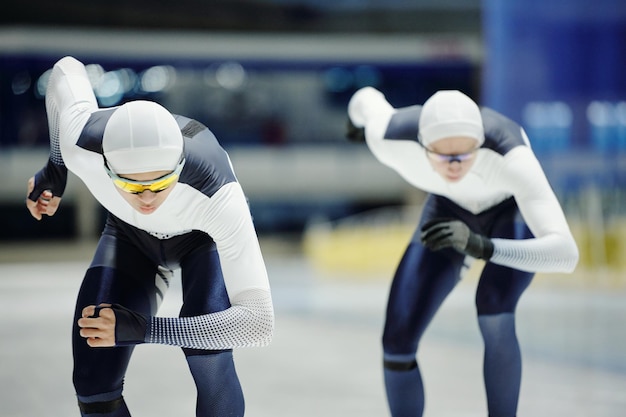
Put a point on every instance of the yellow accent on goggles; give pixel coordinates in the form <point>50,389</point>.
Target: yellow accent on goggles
<point>137,187</point>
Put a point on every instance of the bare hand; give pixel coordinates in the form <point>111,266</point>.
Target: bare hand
<point>99,331</point>
<point>46,203</point>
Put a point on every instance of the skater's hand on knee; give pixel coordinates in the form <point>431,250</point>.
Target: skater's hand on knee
<point>97,325</point>
<point>112,325</point>
<point>442,233</point>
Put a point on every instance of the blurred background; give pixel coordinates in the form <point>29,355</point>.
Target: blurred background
<point>272,79</point>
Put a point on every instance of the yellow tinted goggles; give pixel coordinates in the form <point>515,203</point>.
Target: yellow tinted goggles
<point>137,187</point>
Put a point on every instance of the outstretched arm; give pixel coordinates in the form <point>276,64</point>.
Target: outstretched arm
<point>553,248</point>
<point>249,322</point>
<point>69,98</point>
<point>250,319</point>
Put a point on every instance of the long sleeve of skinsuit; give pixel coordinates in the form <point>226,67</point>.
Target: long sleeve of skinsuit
<point>505,166</point>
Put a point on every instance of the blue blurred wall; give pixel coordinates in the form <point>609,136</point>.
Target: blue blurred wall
<point>571,52</point>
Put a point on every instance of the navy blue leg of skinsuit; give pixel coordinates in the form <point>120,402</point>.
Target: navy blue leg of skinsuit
<point>125,271</point>
<point>424,279</point>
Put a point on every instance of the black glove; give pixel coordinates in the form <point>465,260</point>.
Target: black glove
<point>52,177</point>
<point>447,233</point>
<point>353,133</point>
<point>130,327</point>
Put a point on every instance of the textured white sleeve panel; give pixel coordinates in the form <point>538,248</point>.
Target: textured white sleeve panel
<point>248,323</point>
<point>553,249</point>
<point>552,253</point>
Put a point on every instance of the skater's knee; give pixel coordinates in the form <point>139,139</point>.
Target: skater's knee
<point>497,328</point>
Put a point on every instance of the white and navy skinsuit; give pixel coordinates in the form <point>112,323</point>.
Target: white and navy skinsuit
<point>506,197</point>
<point>204,227</point>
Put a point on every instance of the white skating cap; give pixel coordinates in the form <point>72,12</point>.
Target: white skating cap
<point>450,113</point>
<point>142,136</point>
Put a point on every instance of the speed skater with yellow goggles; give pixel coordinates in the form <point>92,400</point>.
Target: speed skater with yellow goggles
<point>173,203</point>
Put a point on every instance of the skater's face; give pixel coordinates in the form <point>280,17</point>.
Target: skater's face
<point>452,157</point>
<point>149,189</point>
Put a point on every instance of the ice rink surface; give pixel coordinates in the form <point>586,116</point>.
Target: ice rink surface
<point>325,359</point>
